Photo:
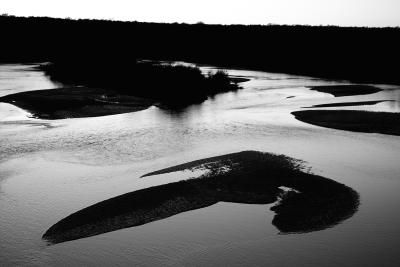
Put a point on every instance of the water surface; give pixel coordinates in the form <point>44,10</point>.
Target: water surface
<point>50,169</point>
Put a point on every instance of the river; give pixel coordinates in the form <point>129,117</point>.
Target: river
<point>52,168</point>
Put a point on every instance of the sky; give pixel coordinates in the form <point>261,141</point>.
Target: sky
<point>373,13</point>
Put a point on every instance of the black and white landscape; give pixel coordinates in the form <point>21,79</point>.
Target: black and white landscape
<point>198,144</point>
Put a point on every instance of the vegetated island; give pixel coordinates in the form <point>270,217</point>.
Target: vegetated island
<point>346,90</point>
<point>97,89</point>
<point>347,104</point>
<point>352,120</point>
<point>305,202</point>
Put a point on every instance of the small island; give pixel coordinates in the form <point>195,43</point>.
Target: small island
<point>347,90</point>
<point>352,120</point>
<point>304,202</point>
<point>93,89</point>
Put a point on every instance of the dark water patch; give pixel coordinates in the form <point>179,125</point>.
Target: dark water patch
<point>346,90</point>
<point>345,104</point>
<point>315,202</point>
<point>353,120</point>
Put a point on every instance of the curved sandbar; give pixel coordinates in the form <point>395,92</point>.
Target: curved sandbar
<point>347,90</point>
<point>352,120</point>
<point>349,104</point>
<point>244,177</point>
<point>75,102</point>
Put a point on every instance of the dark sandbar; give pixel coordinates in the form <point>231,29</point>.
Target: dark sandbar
<point>246,177</point>
<point>345,104</point>
<point>75,102</point>
<point>353,120</point>
<point>346,90</point>
<point>238,79</point>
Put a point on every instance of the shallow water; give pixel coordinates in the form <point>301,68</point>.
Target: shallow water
<point>50,169</point>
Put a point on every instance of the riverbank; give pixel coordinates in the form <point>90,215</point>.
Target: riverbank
<point>363,58</point>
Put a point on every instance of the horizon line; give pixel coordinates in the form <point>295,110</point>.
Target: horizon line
<point>199,22</point>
